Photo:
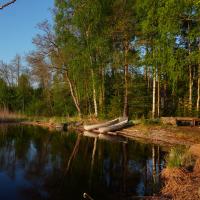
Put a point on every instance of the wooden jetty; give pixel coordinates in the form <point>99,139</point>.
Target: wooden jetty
<point>192,121</point>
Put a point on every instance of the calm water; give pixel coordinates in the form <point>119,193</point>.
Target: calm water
<point>38,164</point>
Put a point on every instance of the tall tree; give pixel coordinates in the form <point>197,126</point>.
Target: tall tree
<point>123,33</point>
<point>49,46</point>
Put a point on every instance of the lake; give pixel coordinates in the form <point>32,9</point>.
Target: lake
<point>38,164</point>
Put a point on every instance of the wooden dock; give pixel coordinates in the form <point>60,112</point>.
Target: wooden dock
<point>192,121</point>
<point>185,121</point>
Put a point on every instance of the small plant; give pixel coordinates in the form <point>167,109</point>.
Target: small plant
<point>176,157</point>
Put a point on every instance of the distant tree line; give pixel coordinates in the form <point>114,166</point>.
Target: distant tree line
<point>110,58</point>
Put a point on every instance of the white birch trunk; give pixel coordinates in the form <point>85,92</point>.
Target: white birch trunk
<point>154,95</point>
<point>198,91</point>
<point>94,94</point>
<point>125,112</point>
<point>158,100</point>
<point>75,99</point>
<point>190,88</point>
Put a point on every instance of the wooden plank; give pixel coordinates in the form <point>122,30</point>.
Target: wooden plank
<point>186,118</point>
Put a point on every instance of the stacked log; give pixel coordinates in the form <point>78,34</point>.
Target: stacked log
<point>168,120</point>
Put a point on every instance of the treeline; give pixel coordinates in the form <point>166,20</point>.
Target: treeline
<point>111,58</point>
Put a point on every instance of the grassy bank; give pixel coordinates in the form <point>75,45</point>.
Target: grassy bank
<point>8,117</point>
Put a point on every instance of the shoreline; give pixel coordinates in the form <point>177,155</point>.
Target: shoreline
<point>156,134</point>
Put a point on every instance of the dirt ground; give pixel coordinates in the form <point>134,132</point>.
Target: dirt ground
<point>164,135</point>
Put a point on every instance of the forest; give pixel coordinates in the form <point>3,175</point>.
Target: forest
<point>106,58</point>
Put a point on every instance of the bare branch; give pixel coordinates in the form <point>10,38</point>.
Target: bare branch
<point>7,4</point>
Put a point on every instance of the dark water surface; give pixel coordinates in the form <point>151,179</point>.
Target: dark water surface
<point>38,164</point>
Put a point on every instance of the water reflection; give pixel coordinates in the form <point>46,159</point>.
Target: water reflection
<point>37,164</point>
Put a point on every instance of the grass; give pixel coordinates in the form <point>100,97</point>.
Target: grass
<point>177,157</point>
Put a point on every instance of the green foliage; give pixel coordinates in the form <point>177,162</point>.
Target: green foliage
<point>151,121</point>
<point>3,93</point>
<point>82,59</point>
<point>115,107</point>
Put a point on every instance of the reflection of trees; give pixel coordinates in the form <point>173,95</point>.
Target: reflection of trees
<point>7,152</point>
<point>156,167</point>
<point>92,161</point>
<point>154,164</point>
<point>124,167</point>
<point>15,149</point>
<point>74,152</point>
<point>100,168</point>
<point>152,171</point>
<point>93,153</point>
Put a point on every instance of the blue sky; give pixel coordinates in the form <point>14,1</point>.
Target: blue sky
<point>18,26</point>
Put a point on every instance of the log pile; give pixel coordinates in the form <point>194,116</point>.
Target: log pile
<point>168,120</point>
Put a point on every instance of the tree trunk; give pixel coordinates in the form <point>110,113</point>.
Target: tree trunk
<point>18,70</point>
<point>154,95</point>
<point>75,99</point>
<point>94,94</point>
<point>148,79</point>
<point>158,95</point>
<point>190,76</point>
<point>190,88</point>
<point>102,90</point>
<point>49,101</point>
<point>88,110</point>
<point>198,91</point>
<point>125,113</point>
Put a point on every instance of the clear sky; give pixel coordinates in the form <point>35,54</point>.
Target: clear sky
<point>18,26</point>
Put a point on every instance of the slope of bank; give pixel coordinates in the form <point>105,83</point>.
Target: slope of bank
<point>165,135</point>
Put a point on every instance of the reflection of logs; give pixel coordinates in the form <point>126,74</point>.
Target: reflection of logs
<point>74,152</point>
